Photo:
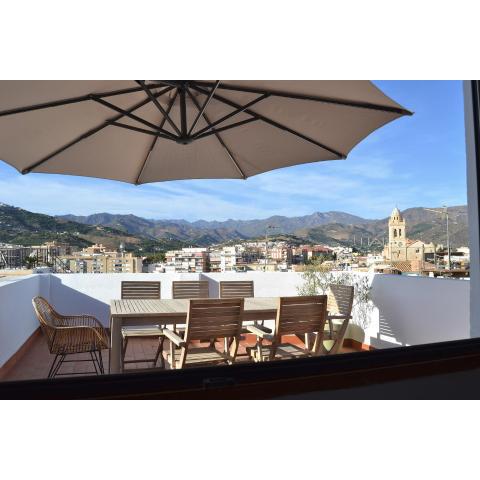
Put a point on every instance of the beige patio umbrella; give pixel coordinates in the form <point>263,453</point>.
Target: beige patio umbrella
<point>150,131</point>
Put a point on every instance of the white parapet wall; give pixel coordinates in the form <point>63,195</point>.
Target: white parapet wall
<point>17,319</point>
<point>412,310</point>
<point>406,310</point>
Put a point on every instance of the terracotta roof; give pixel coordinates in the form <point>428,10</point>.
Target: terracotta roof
<point>404,266</point>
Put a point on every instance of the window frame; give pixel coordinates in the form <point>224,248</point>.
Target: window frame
<point>353,375</point>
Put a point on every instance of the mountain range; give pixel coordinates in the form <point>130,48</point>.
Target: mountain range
<point>147,235</point>
<point>333,227</point>
<point>18,226</point>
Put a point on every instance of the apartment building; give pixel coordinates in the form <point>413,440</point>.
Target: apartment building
<point>306,253</point>
<point>17,256</point>
<point>13,256</point>
<point>97,259</point>
<point>187,260</point>
<point>281,253</point>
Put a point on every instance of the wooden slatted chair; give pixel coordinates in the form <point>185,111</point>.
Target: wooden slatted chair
<point>190,289</point>
<point>71,334</point>
<point>141,290</point>
<point>237,289</point>
<point>295,316</point>
<point>207,318</point>
<point>241,289</point>
<point>339,307</point>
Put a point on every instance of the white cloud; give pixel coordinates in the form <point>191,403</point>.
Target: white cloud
<point>362,186</point>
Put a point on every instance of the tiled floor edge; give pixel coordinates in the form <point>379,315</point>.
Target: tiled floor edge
<point>15,358</point>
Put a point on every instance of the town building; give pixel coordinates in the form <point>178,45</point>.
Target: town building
<point>187,260</point>
<point>20,256</point>
<point>282,253</point>
<point>400,248</point>
<point>97,259</point>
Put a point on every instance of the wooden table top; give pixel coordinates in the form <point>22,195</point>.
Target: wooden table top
<point>170,308</point>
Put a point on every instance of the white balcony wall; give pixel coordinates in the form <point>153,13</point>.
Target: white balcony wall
<point>407,310</point>
<point>414,310</point>
<point>17,318</point>
<point>91,293</point>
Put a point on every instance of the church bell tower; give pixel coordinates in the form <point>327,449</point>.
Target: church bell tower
<point>396,230</point>
<point>397,236</point>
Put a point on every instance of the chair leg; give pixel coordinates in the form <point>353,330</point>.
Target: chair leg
<point>52,367</point>
<point>307,341</point>
<point>124,352</point>
<point>173,360</point>
<point>59,364</point>
<point>259,350</point>
<point>94,361</point>
<point>97,361</point>
<point>100,362</point>
<point>159,352</point>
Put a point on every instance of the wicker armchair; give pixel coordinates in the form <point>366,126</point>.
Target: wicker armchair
<point>71,334</point>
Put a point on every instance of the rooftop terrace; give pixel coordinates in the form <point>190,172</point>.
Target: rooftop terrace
<point>406,311</point>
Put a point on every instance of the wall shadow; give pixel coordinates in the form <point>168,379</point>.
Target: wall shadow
<point>68,300</point>
<point>385,327</point>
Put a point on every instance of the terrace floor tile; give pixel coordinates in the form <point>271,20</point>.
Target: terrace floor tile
<point>35,363</point>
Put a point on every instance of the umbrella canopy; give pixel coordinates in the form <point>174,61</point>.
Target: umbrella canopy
<point>150,131</point>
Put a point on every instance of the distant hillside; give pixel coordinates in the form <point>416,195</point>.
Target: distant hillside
<point>328,227</point>
<point>336,234</point>
<point>146,236</point>
<point>22,227</point>
<point>204,232</point>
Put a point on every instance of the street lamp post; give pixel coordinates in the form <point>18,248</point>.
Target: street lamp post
<point>449,265</point>
<point>444,212</point>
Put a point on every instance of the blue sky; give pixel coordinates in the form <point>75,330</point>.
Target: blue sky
<point>414,161</point>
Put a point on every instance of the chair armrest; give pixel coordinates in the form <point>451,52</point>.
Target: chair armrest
<point>173,337</point>
<point>264,328</point>
<point>80,321</point>
<point>259,332</point>
<point>73,334</point>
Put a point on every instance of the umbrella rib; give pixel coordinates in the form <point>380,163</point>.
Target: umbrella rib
<point>162,123</point>
<point>121,110</point>
<point>204,107</point>
<point>226,127</point>
<point>91,132</point>
<point>299,96</point>
<point>273,123</point>
<point>230,115</point>
<point>144,130</point>
<point>170,83</point>
<point>82,98</point>
<point>219,138</point>
<point>157,104</point>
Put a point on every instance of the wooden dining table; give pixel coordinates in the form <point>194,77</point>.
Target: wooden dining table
<point>168,312</point>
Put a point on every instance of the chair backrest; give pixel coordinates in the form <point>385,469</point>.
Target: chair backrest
<point>237,289</point>
<point>300,315</point>
<point>140,290</point>
<point>340,300</point>
<point>190,289</point>
<point>47,317</point>
<point>214,318</point>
